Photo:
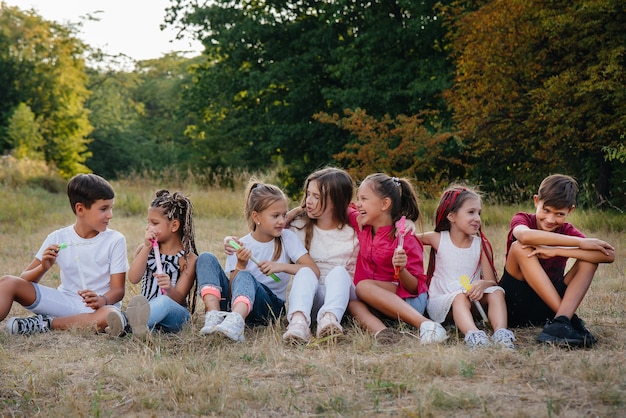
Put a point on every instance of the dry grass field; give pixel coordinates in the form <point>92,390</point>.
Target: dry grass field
<point>80,373</point>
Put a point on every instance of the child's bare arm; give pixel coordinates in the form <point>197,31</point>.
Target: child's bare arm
<point>293,214</point>
<point>138,266</point>
<point>430,238</point>
<point>535,238</point>
<point>116,293</point>
<point>489,276</point>
<point>269,267</point>
<point>37,268</point>
<point>591,256</point>
<point>179,292</point>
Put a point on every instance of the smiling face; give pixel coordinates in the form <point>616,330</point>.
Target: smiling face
<point>549,218</point>
<point>373,209</point>
<point>467,218</point>
<point>96,218</point>
<point>270,221</point>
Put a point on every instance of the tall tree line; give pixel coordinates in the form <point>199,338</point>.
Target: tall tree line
<point>499,93</point>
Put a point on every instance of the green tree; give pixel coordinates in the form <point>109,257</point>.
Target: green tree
<point>270,66</point>
<point>137,117</point>
<point>407,146</point>
<point>24,134</point>
<point>45,70</point>
<point>540,87</point>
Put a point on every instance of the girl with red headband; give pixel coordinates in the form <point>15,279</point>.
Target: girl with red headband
<point>460,251</point>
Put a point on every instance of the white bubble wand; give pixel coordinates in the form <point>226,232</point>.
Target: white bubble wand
<point>80,273</point>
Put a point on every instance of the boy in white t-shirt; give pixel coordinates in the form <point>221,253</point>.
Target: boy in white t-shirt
<point>92,260</point>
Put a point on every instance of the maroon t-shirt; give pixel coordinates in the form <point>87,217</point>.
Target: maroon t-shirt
<point>555,266</point>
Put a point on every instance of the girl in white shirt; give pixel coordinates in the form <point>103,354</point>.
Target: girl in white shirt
<point>325,230</point>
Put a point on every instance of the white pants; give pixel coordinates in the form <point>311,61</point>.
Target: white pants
<point>311,298</point>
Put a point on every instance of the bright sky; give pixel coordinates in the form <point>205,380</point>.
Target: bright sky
<point>130,27</point>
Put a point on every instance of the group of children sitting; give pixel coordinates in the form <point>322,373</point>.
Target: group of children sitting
<point>363,257</point>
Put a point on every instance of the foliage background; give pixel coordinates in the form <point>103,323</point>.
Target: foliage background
<point>498,93</point>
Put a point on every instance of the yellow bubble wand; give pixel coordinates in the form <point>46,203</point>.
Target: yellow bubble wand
<point>465,282</point>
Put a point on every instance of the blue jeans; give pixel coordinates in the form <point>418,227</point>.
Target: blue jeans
<point>209,272</point>
<point>265,305</point>
<point>167,315</point>
<point>418,302</point>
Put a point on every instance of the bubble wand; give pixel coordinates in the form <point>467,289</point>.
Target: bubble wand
<point>83,283</point>
<point>400,225</point>
<point>465,282</point>
<point>64,245</point>
<point>157,258</point>
<point>254,260</point>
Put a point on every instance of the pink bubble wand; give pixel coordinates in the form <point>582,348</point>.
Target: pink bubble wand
<point>157,258</point>
<point>401,226</point>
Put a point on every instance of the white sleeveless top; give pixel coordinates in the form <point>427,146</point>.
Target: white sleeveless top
<point>451,263</point>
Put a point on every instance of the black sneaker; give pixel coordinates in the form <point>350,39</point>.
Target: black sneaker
<point>579,325</point>
<point>559,331</point>
<point>29,325</point>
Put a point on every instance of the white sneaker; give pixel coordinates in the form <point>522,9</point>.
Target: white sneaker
<point>232,326</point>
<point>477,339</point>
<point>504,337</point>
<point>117,324</point>
<point>137,314</point>
<point>328,326</point>
<point>211,320</point>
<point>297,332</point>
<point>432,332</point>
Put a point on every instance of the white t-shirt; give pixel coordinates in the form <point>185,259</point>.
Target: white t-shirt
<point>331,247</point>
<point>292,250</point>
<point>91,260</point>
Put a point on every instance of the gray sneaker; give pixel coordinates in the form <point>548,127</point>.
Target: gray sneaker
<point>117,324</point>
<point>29,325</point>
<point>477,339</point>
<point>137,313</point>
<point>504,337</point>
<point>211,320</point>
<point>232,326</point>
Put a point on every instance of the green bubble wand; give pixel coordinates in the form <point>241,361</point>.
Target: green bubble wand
<point>254,260</point>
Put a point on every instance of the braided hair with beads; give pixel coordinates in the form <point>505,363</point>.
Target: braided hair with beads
<point>178,206</point>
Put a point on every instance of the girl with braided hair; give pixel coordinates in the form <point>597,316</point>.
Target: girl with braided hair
<point>165,263</point>
<point>459,248</point>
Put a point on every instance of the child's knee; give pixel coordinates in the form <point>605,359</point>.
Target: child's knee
<point>517,250</point>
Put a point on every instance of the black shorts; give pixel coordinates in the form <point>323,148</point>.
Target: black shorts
<point>524,307</point>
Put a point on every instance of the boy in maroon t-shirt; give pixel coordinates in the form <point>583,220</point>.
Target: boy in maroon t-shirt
<point>538,247</point>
